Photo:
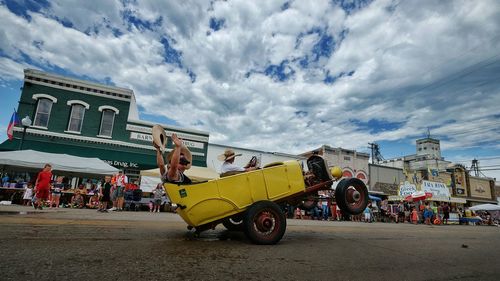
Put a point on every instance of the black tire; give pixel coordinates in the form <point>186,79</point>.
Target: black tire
<point>351,196</point>
<point>234,223</point>
<point>264,223</point>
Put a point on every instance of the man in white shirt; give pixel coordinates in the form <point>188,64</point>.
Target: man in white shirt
<point>121,181</point>
<point>229,166</point>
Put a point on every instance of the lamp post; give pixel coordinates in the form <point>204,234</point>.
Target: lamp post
<point>26,122</point>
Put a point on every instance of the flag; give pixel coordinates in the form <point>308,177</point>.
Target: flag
<point>14,120</point>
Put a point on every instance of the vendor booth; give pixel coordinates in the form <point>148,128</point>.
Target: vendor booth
<point>31,162</point>
<point>68,164</point>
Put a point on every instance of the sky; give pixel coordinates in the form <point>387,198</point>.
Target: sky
<point>284,76</point>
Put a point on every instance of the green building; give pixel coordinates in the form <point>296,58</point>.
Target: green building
<point>91,120</point>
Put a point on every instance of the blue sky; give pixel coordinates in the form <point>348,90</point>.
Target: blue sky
<point>281,76</point>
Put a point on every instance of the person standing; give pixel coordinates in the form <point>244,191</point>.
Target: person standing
<point>121,181</point>
<point>105,192</point>
<point>446,213</point>
<point>367,212</point>
<point>158,194</point>
<point>28,194</point>
<point>414,215</point>
<point>42,185</point>
<point>56,192</point>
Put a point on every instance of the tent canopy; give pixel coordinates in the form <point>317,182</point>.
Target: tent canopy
<point>486,207</point>
<point>60,162</point>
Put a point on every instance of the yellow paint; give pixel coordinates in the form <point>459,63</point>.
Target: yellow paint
<point>216,199</point>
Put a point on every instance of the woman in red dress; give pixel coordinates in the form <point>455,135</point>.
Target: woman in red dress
<point>42,185</point>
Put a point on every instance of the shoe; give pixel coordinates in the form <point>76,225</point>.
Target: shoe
<point>158,211</point>
<point>40,208</point>
<point>112,209</point>
<point>105,211</point>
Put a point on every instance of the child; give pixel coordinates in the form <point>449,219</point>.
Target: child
<point>56,192</point>
<point>28,194</point>
<point>414,215</point>
<point>105,194</point>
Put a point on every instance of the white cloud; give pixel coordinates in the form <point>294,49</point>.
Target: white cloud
<point>424,64</point>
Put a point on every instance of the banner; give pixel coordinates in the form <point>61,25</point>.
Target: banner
<point>439,190</point>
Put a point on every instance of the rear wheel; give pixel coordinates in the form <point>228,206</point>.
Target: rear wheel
<point>351,196</point>
<point>234,223</point>
<point>264,223</point>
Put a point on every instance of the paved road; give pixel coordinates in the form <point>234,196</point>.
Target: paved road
<point>70,244</point>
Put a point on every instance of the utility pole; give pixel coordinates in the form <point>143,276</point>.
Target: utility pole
<point>375,151</point>
<point>475,167</point>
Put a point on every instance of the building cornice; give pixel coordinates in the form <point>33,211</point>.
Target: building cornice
<point>75,85</point>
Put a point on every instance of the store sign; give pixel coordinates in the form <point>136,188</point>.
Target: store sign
<point>141,137</point>
<point>438,189</point>
<point>460,191</point>
<point>122,164</point>
<point>407,189</point>
<point>149,138</point>
<point>148,130</point>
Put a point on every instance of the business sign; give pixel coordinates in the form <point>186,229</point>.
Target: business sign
<point>407,189</point>
<point>148,130</point>
<point>149,138</point>
<point>438,189</point>
<point>141,137</point>
<point>122,164</point>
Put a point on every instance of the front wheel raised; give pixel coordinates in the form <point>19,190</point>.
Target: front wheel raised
<point>264,223</point>
<point>351,196</point>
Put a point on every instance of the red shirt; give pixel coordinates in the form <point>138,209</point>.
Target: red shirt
<point>44,179</point>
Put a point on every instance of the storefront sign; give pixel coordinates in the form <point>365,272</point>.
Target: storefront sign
<point>438,189</point>
<point>122,164</point>
<point>141,137</point>
<point>149,138</point>
<point>148,130</point>
<point>407,189</point>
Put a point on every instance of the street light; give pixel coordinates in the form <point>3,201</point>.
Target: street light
<point>26,122</point>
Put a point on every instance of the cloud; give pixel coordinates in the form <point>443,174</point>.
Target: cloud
<point>281,77</point>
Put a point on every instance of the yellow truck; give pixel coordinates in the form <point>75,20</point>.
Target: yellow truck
<point>249,201</point>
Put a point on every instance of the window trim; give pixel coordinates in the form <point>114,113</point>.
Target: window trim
<point>69,121</point>
<point>72,102</point>
<point>38,107</point>
<point>112,123</point>
<point>104,107</point>
<point>44,96</point>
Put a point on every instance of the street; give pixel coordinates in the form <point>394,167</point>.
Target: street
<point>73,244</point>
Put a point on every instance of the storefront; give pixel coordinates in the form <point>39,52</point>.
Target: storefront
<point>87,119</point>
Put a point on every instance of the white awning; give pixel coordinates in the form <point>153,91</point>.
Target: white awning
<point>60,162</point>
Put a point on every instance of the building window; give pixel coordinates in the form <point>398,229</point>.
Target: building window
<point>108,118</point>
<point>43,112</point>
<point>76,118</point>
<point>347,158</point>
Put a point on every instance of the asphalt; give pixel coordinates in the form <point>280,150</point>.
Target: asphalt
<point>72,244</point>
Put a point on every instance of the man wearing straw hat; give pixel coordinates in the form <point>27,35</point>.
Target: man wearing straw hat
<point>229,166</point>
<point>179,160</point>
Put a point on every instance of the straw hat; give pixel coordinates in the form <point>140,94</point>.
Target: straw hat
<point>227,155</point>
<point>159,137</point>
<point>185,153</point>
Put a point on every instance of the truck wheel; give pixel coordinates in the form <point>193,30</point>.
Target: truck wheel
<point>234,223</point>
<point>264,223</point>
<point>351,196</point>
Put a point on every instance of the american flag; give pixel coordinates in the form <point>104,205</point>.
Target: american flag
<point>14,120</point>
